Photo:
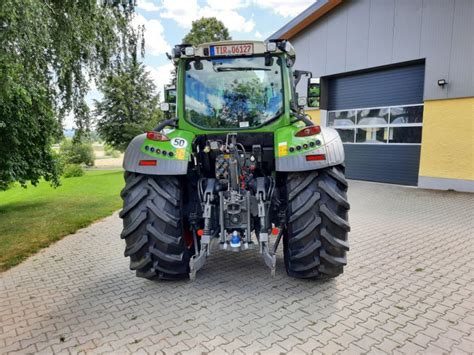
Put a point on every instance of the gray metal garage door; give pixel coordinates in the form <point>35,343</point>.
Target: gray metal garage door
<point>379,115</point>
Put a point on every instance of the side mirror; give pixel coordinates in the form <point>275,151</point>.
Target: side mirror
<point>170,94</point>
<point>314,92</point>
<point>302,101</point>
<point>297,74</point>
<point>165,106</point>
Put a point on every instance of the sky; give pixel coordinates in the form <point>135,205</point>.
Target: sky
<point>168,21</point>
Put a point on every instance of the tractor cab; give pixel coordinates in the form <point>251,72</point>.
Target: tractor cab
<point>233,85</point>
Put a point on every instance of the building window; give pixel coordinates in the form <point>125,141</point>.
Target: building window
<point>379,125</point>
<point>405,135</point>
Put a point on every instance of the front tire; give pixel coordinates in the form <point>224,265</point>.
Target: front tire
<point>315,244</point>
<point>153,226</point>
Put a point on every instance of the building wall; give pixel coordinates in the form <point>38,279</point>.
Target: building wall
<point>361,34</point>
<point>447,150</point>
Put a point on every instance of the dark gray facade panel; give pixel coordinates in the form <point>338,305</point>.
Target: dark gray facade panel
<point>336,41</point>
<point>406,30</point>
<point>461,73</point>
<point>395,164</point>
<point>380,32</point>
<point>439,31</point>
<point>435,34</point>
<point>358,16</point>
<point>394,86</point>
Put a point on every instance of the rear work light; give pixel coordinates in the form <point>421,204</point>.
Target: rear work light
<point>156,136</point>
<point>147,163</point>
<point>308,131</point>
<point>315,157</point>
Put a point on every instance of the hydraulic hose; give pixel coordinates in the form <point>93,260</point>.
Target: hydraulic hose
<point>307,121</point>
<point>300,117</point>
<point>163,124</point>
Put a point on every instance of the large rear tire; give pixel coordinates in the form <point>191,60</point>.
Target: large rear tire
<point>315,243</point>
<point>154,226</point>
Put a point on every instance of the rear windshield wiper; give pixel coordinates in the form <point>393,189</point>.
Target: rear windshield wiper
<point>240,69</point>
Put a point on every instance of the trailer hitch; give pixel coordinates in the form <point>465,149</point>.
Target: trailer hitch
<point>268,256</point>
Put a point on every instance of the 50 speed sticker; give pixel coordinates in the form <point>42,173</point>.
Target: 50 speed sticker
<point>179,142</point>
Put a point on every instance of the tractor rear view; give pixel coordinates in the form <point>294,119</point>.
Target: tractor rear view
<point>237,165</point>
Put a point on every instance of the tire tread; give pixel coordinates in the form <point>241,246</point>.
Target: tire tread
<point>153,226</point>
<point>315,243</point>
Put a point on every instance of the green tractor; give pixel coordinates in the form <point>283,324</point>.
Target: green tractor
<point>238,165</point>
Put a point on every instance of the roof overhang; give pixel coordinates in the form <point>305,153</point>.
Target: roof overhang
<point>306,18</point>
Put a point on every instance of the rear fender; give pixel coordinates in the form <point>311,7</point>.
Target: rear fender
<point>171,157</point>
<point>289,158</point>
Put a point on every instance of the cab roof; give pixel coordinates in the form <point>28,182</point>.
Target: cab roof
<point>207,49</point>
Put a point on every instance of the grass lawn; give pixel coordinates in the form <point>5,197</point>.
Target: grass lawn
<point>33,218</point>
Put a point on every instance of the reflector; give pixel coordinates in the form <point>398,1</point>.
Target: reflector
<point>147,163</point>
<point>315,157</point>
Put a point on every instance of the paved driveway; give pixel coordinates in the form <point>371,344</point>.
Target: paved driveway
<point>408,288</point>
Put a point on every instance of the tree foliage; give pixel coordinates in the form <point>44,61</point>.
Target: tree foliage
<point>73,170</point>
<point>49,52</point>
<point>129,106</point>
<point>206,29</point>
<point>77,152</point>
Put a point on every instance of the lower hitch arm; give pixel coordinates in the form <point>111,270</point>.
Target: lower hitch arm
<point>282,219</point>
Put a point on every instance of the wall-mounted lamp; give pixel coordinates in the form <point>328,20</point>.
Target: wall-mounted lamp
<point>442,82</point>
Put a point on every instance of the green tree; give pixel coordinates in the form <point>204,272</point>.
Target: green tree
<point>49,52</point>
<point>77,152</point>
<point>129,105</point>
<point>206,29</point>
<point>83,120</point>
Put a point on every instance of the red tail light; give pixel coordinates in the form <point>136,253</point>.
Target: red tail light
<point>315,157</point>
<point>308,131</point>
<point>156,136</point>
<point>147,163</point>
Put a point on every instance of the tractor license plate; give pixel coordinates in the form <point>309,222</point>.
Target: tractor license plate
<point>232,49</point>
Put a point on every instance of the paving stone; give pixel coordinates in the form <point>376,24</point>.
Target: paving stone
<point>387,346</point>
<point>353,350</point>
<point>78,296</point>
<point>310,345</point>
<point>367,342</point>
